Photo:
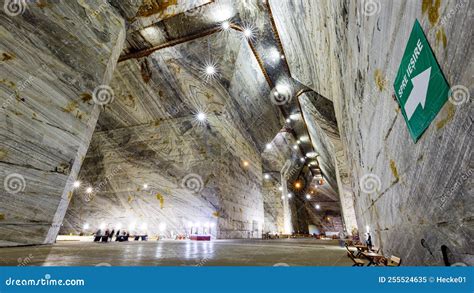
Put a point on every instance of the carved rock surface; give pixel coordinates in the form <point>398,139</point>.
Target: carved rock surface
<point>52,59</point>
<point>423,191</point>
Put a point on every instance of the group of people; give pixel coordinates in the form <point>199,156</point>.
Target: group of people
<point>108,235</point>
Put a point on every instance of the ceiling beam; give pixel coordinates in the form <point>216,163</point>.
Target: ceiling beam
<point>148,51</point>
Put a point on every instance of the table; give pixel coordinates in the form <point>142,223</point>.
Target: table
<point>361,249</point>
<point>373,257</point>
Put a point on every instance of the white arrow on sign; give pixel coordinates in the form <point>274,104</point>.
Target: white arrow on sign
<point>418,93</point>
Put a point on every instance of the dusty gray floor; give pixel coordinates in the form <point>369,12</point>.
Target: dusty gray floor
<point>292,252</point>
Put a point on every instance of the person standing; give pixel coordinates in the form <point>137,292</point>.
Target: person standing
<point>105,238</point>
<point>369,241</point>
<point>111,235</point>
<point>97,235</point>
<point>342,238</point>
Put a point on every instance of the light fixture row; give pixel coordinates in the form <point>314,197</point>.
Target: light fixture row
<point>77,184</point>
<point>289,195</point>
<point>89,189</point>
<point>144,226</point>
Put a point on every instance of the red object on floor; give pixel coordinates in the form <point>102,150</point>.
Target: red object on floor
<point>200,237</point>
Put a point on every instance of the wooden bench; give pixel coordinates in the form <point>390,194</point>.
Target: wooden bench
<point>375,249</point>
<point>357,261</point>
<point>374,258</point>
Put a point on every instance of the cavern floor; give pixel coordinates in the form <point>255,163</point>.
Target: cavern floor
<point>292,252</point>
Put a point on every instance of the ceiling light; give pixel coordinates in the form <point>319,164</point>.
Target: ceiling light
<point>86,226</point>
<point>248,33</point>
<point>268,146</point>
<point>226,25</point>
<point>288,120</point>
<point>295,116</point>
<point>145,186</point>
<point>210,70</point>
<point>302,160</point>
<point>298,141</point>
<point>77,184</point>
<point>162,227</point>
<point>282,197</point>
<point>290,195</point>
<point>311,154</point>
<point>274,54</point>
<point>151,34</point>
<point>280,188</point>
<point>282,57</point>
<point>89,190</point>
<point>308,196</point>
<point>246,163</point>
<point>298,184</point>
<point>295,147</point>
<point>317,206</point>
<point>201,116</point>
<point>266,176</point>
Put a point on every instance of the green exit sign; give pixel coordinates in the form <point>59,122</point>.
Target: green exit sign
<point>420,86</point>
